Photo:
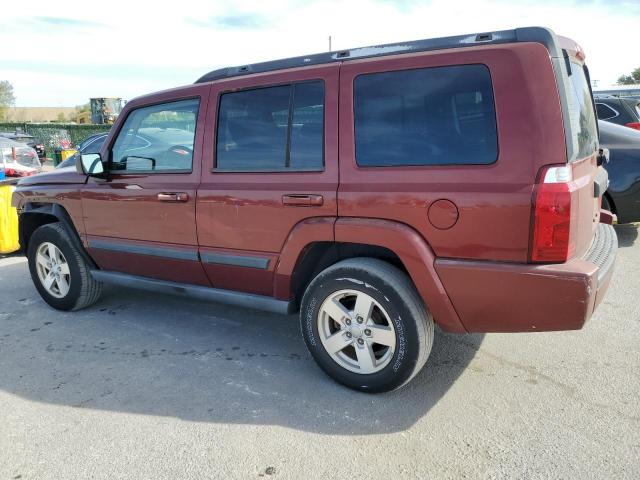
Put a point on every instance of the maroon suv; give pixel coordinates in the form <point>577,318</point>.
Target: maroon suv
<point>380,191</point>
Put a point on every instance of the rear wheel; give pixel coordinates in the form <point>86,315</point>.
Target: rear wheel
<point>365,325</point>
<point>59,271</point>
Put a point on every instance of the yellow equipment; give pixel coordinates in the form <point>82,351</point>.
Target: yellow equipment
<point>66,153</point>
<point>8,221</point>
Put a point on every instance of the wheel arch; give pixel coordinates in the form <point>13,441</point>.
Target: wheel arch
<point>315,245</point>
<point>34,215</point>
<point>318,256</point>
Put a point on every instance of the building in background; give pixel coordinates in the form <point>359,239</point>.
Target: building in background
<point>619,90</point>
<point>40,114</point>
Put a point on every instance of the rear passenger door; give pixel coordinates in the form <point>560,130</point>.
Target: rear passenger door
<point>269,162</point>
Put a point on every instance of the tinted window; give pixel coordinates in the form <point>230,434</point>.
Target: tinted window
<point>271,129</point>
<point>307,126</point>
<point>581,114</point>
<point>605,112</point>
<point>429,116</point>
<point>157,138</point>
<point>93,145</point>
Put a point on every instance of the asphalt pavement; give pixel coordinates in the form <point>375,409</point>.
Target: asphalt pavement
<point>152,387</point>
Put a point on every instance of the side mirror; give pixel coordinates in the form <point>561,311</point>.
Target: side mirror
<point>89,164</point>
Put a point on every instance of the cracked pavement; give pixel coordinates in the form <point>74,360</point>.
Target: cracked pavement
<point>146,386</point>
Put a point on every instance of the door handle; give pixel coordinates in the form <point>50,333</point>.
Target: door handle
<point>173,197</point>
<point>304,200</point>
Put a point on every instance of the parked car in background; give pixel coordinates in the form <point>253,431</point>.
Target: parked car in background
<point>91,144</point>
<point>378,191</point>
<point>22,137</point>
<point>623,195</point>
<point>18,159</point>
<point>621,110</point>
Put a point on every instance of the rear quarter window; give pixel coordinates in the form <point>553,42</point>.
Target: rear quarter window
<point>605,112</point>
<point>581,115</point>
<point>427,116</point>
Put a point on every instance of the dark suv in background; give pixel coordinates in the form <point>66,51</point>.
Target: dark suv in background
<point>621,110</point>
<point>379,191</point>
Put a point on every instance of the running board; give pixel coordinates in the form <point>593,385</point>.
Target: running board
<point>229,297</point>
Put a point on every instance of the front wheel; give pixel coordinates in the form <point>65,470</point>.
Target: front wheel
<point>365,325</point>
<point>59,271</point>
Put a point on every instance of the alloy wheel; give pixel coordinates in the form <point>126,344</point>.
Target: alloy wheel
<point>53,270</point>
<point>356,331</point>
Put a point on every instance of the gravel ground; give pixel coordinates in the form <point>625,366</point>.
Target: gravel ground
<point>141,386</point>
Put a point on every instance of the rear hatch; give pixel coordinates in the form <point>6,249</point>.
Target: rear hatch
<point>567,198</point>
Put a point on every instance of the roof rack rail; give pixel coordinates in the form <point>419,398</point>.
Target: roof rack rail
<point>529,34</point>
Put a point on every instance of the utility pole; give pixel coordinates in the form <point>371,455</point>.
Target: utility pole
<point>329,42</point>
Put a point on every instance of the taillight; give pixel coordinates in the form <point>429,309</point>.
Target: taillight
<point>634,125</point>
<point>552,239</point>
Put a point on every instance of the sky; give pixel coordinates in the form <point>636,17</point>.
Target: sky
<point>64,52</point>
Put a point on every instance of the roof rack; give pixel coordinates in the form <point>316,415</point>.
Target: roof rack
<point>528,34</point>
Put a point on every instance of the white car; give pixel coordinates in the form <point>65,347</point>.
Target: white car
<point>18,159</point>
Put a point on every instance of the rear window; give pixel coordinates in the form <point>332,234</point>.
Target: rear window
<point>605,112</point>
<point>427,116</point>
<point>581,114</point>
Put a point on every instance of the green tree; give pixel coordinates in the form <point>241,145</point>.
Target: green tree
<point>7,99</point>
<point>634,77</point>
<point>83,108</point>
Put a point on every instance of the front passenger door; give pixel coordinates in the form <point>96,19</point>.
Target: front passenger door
<point>141,219</point>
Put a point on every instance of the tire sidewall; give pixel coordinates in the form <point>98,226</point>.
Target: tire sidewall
<point>48,233</point>
<point>405,357</point>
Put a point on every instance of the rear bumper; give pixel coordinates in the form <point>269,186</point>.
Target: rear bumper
<point>502,297</point>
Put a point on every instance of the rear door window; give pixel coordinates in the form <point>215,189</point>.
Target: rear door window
<point>267,129</point>
<point>428,116</point>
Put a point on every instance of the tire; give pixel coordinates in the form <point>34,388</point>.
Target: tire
<point>393,310</point>
<point>74,290</point>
